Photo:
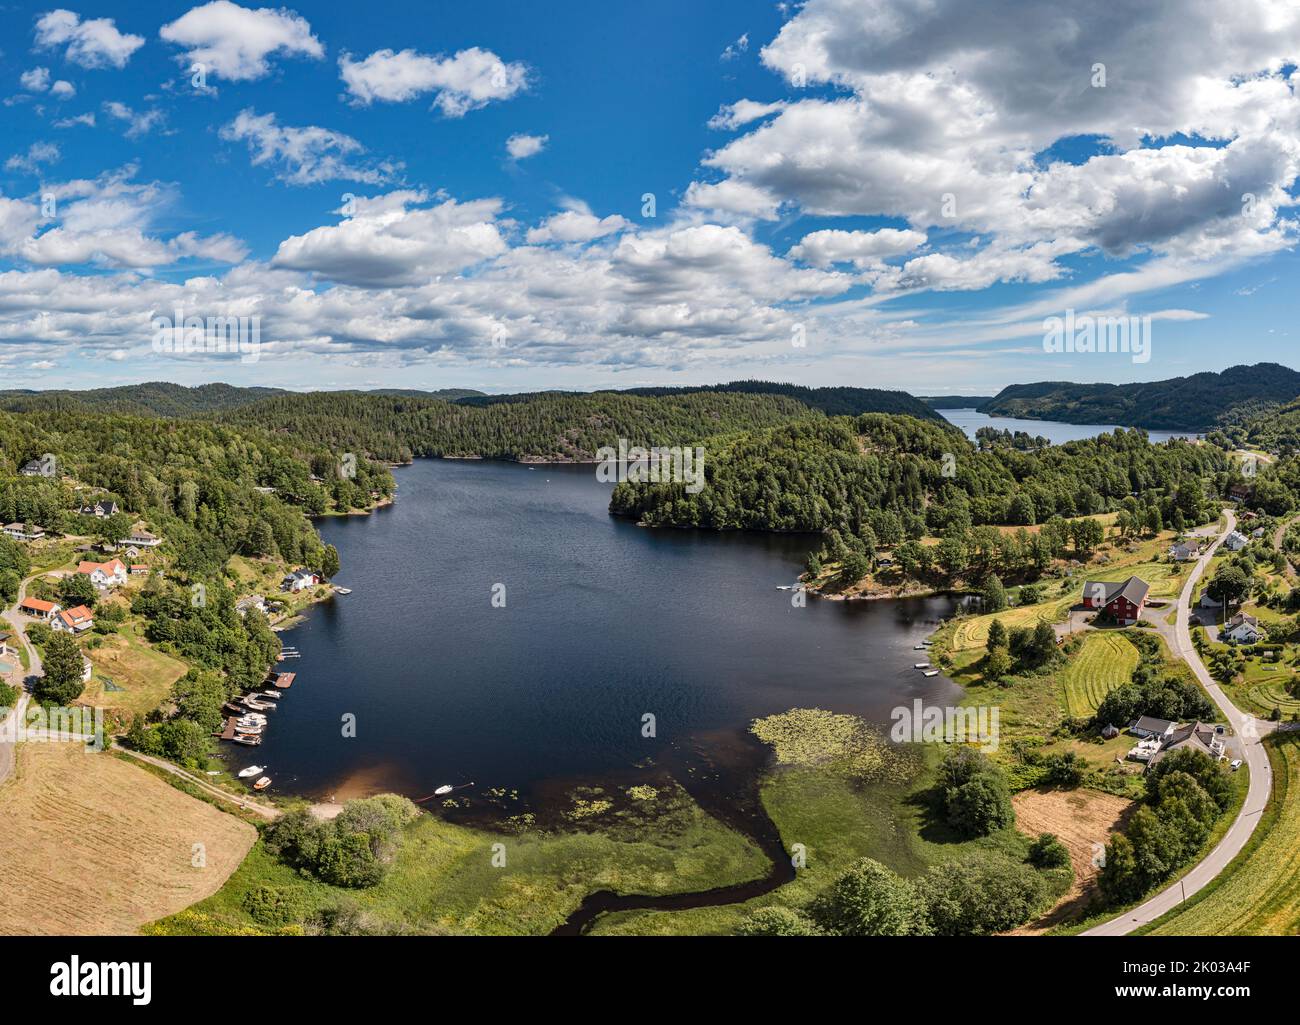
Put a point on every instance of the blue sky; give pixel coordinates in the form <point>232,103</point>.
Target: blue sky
<point>863,192</point>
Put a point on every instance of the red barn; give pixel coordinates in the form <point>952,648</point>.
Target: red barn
<point>1123,600</point>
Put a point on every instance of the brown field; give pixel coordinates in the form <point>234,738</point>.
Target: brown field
<point>93,846</point>
<point>1079,818</point>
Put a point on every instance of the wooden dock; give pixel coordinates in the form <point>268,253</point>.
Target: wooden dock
<point>280,681</point>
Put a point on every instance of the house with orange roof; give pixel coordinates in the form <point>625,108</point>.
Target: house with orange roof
<point>104,574</point>
<point>74,621</point>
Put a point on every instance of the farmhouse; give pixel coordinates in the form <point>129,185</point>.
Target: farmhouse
<point>1185,551</point>
<point>104,574</point>
<point>1122,600</point>
<point>1199,736</point>
<point>24,531</point>
<point>1242,629</point>
<point>38,608</point>
<point>299,580</point>
<point>74,621</point>
<point>1235,541</point>
<point>100,510</point>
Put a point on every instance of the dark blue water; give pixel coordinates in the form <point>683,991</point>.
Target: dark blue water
<point>1054,431</point>
<point>604,622</point>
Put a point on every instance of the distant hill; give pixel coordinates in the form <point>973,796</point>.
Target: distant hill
<point>831,401</point>
<point>955,401</point>
<point>156,398</point>
<point>1198,403</point>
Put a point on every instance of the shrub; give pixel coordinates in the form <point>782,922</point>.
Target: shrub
<point>778,921</point>
<point>1047,851</point>
<point>871,900</point>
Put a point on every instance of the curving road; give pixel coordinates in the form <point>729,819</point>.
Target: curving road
<point>1249,730</point>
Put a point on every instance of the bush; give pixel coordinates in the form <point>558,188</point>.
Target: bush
<point>974,792</point>
<point>778,921</point>
<point>871,900</point>
<point>272,906</point>
<point>351,850</point>
<point>981,894</point>
<point>1047,851</point>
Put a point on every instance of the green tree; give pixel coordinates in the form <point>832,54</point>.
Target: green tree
<point>63,663</point>
<point>994,594</point>
<point>870,900</point>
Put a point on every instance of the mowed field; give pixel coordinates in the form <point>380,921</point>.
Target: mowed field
<point>1260,893</point>
<point>144,675</point>
<point>1081,819</point>
<point>1164,580</point>
<point>1106,660</point>
<point>92,845</point>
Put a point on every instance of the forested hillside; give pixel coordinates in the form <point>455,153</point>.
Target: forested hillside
<point>1195,403</point>
<point>194,482</point>
<point>853,473</point>
<point>557,427</point>
<point>831,401</point>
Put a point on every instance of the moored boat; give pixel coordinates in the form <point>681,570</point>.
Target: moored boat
<point>262,783</point>
<point>252,770</point>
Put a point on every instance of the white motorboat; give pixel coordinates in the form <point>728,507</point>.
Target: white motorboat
<point>252,770</point>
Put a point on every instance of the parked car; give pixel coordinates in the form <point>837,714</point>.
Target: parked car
<point>1236,764</point>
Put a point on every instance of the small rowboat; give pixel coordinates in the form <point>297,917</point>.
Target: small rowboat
<point>932,672</point>
<point>262,783</point>
<point>921,665</point>
<point>252,770</point>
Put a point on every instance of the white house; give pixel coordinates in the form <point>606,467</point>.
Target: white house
<point>141,538</point>
<point>104,574</point>
<point>1199,736</point>
<point>1235,541</point>
<point>24,531</point>
<point>74,621</point>
<point>299,580</point>
<point>1150,728</point>
<point>1242,629</point>
<point>1185,551</point>
<point>255,601</point>
<point>32,468</point>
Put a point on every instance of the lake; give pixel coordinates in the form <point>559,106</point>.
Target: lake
<point>603,622</point>
<point>970,421</point>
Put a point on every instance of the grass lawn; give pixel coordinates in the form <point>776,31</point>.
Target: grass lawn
<point>144,675</point>
<point>1258,894</point>
<point>443,879</point>
<point>1106,660</point>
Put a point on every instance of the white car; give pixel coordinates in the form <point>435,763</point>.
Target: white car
<point>1236,764</point>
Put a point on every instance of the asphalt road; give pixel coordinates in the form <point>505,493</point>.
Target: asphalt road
<point>1249,730</point>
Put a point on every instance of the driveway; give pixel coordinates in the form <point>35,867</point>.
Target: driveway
<point>17,623</point>
<point>1249,732</point>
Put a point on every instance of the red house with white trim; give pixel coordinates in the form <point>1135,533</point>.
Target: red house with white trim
<point>1122,600</point>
